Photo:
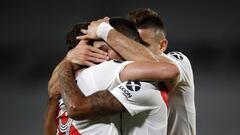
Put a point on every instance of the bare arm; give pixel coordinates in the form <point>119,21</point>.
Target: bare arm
<point>159,71</point>
<point>80,106</point>
<point>50,125</point>
<point>128,48</point>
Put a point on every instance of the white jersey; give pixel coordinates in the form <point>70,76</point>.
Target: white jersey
<point>181,106</point>
<point>100,77</point>
<point>146,111</point>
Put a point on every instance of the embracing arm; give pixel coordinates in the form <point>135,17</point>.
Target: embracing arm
<point>159,71</point>
<point>80,106</point>
<point>50,125</point>
<point>128,48</point>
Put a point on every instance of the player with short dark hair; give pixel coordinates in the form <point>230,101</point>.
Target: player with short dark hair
<point>181,109</point>
<point>126,96</point>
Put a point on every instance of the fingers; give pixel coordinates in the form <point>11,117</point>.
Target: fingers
<point>83,37</point>
<point>97,53</point>
<point>98,56</point>
<point>86,63</point>
<point>96,50</point>
<point>84,31</point>
<point>95,60</point>
<point>82,42</point>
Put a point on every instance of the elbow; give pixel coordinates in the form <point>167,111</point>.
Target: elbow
<point>73,111</point>
<point>174,72</point>
<point>168,72</point>
<point>77,111</point>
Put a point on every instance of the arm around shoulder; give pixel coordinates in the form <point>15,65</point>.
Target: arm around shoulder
<point>158,71</point>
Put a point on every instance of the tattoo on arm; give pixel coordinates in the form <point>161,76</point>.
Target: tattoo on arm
<point>99,103</point>
<point>103,102</point>
<point>68,87</point>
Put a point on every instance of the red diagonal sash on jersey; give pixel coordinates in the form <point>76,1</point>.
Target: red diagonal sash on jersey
<point>164,92</point>
<point>63,125</point>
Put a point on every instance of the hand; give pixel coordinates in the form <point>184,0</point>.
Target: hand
<point>86,55</point>
<point>91,32</point>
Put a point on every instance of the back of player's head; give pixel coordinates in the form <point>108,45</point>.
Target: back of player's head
<point>71,40</point>
<point>122,25</point>
<point>147,18</point>
<point>125,27</point>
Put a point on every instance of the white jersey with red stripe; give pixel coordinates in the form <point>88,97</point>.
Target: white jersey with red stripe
<point>146,109</point>
<point>181,105</point>
<point>100,77</point>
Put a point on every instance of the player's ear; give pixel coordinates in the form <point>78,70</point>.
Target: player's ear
<point>163,44</point>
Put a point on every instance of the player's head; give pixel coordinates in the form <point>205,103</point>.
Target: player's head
<point>123,26</point>
<point>71,40</point>
<point>151,29</point>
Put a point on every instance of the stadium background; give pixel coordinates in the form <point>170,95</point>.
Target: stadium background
<point>32,37</point>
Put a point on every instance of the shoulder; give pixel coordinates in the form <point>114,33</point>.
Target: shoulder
<point>177,56</point>
<point>179,59</point>
<point>183,64</point>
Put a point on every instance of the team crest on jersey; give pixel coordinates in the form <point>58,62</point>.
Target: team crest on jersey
<point>176,55</point>
<point>118,61</point>
<point>133,85</point>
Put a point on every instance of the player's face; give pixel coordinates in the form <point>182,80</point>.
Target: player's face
<point>149,36</point>
<point>105,47</point>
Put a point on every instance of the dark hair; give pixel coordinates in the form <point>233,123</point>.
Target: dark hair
<point>146,18</point>
<point>71,40</point>
<point>125,27</point>
<point>122,25</point>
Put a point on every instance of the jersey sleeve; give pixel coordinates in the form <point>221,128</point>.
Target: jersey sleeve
<point>183,64</point>
<point>138,96</point>
<point>103,75</point>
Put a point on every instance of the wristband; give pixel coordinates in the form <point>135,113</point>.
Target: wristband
<point>103,30</point>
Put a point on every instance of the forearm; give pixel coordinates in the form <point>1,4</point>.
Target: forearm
<point>50,125</point>
<point>159,71</point>
<point>128,48</point>
<point>78,105</point>
<point>72,96</point>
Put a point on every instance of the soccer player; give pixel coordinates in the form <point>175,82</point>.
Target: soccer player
<point>181,106</point>
<point>51,121</point>
<point>140,99</point>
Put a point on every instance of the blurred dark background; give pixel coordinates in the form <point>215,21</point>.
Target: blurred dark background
<point>32,41</point>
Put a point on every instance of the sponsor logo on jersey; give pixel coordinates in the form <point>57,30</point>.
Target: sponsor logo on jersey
<point>125,91</point>
<point>176,55</point>
<point>133,85</point>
